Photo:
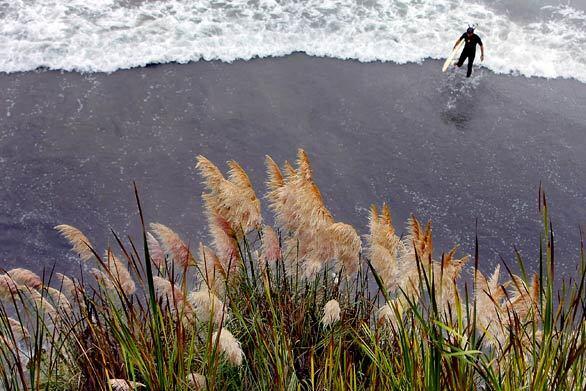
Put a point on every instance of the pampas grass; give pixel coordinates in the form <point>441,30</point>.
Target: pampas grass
<point>156,251</point>
<point>410,320</point>
<point>81,245</point>
<point>8,287</point>
<point>173,246</point>
<point>119,273</point>
<point>331,313</point>
<point>207,307</point>
<point>229,346</point>
<point>25,277</point>
<point>196,381</point>
<point>124,385</point>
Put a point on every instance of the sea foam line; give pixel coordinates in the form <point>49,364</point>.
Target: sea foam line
<point>107,35</point>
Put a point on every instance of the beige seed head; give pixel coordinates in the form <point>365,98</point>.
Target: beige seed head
<point>207,307</point>
<point>124,385</point>
<point>173,245</point>
<point>196,381</point>
<point>155,251</point>
<point>230,346</point>
<point>331,313</point>
<point>26,277</point>
<point>8,288</point>
<point>80,243</point>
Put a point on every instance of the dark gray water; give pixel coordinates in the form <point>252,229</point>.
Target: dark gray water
<point>437,145</point>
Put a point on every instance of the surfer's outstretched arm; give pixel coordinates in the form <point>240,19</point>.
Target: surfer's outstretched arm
<point>457,42</point>
<point>481,52</point>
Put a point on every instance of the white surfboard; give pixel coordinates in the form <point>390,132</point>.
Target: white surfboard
<point>453,54</point>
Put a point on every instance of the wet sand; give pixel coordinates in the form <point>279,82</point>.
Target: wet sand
<point>437,145</point>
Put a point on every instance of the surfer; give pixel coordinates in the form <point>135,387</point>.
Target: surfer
<point>469,51</point>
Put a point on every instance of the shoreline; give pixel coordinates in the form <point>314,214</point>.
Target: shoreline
<point>477,64</point>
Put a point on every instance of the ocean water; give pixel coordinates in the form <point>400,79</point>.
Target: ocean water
<point>531,38</point>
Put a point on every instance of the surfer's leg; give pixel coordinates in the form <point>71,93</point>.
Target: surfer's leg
<point>470,63</point>
<point>462,58</point>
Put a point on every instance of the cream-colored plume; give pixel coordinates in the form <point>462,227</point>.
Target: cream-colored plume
<point>8,288</point>
<point>347,246</point>
<point>156,252</point>
<point>196,381</point>
<point>119,273</point>
<point>233,199</point>
<point>270,249</point>
<point>207,307</point>
<point>173,246</point>
<point>390,313</point>
<point>80,243</point>
<point>229,345</point>
<point>524,302</point>
<point>331,313</point>
<point>25,277</point>
<point>490,314</point>
<point>172,296</point>
<point>60,301</point>
<point>124,385</point>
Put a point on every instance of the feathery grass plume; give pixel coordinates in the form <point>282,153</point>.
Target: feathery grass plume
<point>8,287</point>
<point>68,287</point>
<point>173,245</point>
<point>298,204</point>
<point>225,243</point>
<point>311,268</point>
<point>207,307</point>
<point>524,302</point>
<point>25,277</point>
<point>489,295</point>
<point>19,331</point>
<point>233,198</point>
<point>420,240</point>
<point>280,196</point>
<point>275,179</point>
<point>300,210</point>
<point>124,385</point>
<point>6,343</point>
<point>229,345</point>
<point>289,171</point>
<point>155,251</point>
<point>102,279</point>
<point>119,273</point>
<point>446,273</point>
<point>59,300</point>
<point>383,245</point>
<point>41,304</point>
<point>247,212</point>
<point>347,246</point>
<point>171,295</point>
<point>270,249</point>
<point>196,381</point>
<point>80,243</point>
<point>211,269</point>
<point>418,245</point>
<point>331,313</point>
<point>390,313</point>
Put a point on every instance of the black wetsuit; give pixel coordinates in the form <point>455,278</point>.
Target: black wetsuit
<point>469,51</point>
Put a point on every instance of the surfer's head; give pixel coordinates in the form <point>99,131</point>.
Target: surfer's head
<point>470,30</point>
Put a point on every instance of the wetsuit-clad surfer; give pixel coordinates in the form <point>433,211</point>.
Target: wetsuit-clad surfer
<point>469,52</point>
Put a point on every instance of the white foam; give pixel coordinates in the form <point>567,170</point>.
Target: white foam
<point>107,35</point>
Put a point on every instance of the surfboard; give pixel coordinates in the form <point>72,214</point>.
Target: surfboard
<point>453,54</point>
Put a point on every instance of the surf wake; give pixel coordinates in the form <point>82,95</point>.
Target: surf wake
<point>107,35</point>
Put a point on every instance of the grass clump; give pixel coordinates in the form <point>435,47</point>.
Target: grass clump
<point>303,305</point>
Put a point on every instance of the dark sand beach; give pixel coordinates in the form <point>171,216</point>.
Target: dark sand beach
<point>437,145</point>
